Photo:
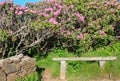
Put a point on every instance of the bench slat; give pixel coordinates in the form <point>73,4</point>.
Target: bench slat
<point>87,58</point>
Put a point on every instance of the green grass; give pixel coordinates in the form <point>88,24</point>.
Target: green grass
<point>53,65</point>
<point>84,73</point>
<point>32,77</point>
<point>82,70</point>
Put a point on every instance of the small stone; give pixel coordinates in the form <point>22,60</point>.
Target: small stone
<point>9,61</point>
<point>22,73</point>
<point>34,69</point>
<point>10,68</point>
<point>17,61</point>
<point>12,77</point>
<point>30,63</point>
<point>1,64</point>
<point>23,60</point>
<point>20,56</point>
<point>2,76</point>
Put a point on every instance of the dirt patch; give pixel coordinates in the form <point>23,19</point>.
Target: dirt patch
<point>47,76</point>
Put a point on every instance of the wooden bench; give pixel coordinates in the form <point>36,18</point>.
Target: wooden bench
<point>63,62</point>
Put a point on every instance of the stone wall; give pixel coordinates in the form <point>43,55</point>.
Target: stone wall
<point>15,67</point>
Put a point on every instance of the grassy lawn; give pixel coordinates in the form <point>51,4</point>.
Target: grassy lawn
<point>82,70</point>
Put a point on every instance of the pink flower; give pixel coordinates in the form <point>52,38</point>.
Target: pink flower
<point>102,32</point>
<point>41,13</point>
<point>16,12</point>
<point>53,20</point>
<point>20,13</point>
<point>85,34</point>
<point>57,13</point>
<point>78,14</point>
<point>14,5</point>
<point>11,8</point>
<point>45,15</point>
<point>96,7</point>
<point>26,10</point>
<point>33,11</point>
<point>65,35</point>
<point>80,36</point>
<point>26,7</point>
<point>69,19</point>
<point>112,10</point>
<point>90,24</point>
<point>92,3</point>
<point>108,2</point>
<point>99,18</point>
<point>98,26</point>
<point>51,0</point>
<point>60,6</point>
<point>18,8</point>
<point>48,9</point>
<point>79,29</point>
<point>62,21</point>
<point>56,5</point>
<point>82,18</point>
<point>1,3</point>
<point>61,30</point>
<point>9,2</point>
<point>10,32</point>
<point>116,4</point>
<point>105,5</point>
<point>71,6</point>
<point>46,20</point>
<point>68,32</point>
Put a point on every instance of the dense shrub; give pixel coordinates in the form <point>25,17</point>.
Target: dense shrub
<point>81,24</point>
<point>78,25</point>
<point>17,33</point>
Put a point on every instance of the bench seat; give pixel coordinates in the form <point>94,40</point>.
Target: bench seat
<point>63,62</point>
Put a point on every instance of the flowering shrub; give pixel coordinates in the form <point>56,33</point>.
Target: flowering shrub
<point>83,24</point>
<point>17,34</point>
<point>76,25</point>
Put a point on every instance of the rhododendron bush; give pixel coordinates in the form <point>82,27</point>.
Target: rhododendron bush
<point>78,26</point>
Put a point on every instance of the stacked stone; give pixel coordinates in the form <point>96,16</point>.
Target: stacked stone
<point>15,67</point>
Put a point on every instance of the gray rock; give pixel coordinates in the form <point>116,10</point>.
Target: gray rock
<point>17,66</point>
<point>10,68</point>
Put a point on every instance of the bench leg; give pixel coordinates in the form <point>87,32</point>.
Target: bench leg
<point>101,63</point>
<point>62,69</point>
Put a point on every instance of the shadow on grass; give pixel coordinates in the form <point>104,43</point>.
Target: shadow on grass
<point>40,71</point>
